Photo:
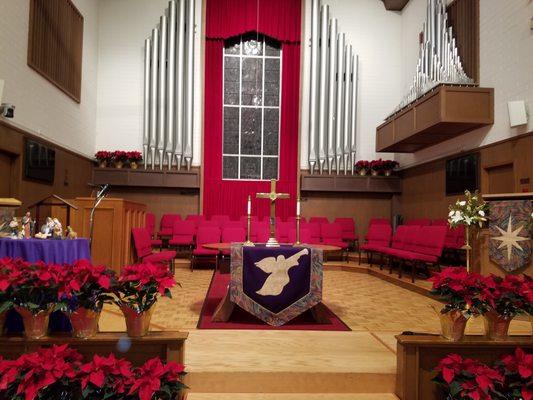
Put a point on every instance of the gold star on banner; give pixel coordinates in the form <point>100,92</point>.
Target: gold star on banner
<point>510,238</point>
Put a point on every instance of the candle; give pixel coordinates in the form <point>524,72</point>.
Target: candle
<point>249,205</point>
<point>298,207</point>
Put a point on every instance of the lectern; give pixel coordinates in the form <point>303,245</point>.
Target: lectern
<point>113,220</point>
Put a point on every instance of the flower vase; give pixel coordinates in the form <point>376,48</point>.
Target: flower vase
<point>496,325</point>
<point>35,325</point>
<point>84,322</point>
<point>133,165</point>
<point>137,323</point>
<point>453,324</point>
<point>118,164</point>
<point>362,172</point>
<point>388,172</point>
<point>3,316</point>
<point>374,172</point>
<point>102,163</point>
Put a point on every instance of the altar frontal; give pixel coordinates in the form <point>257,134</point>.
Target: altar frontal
<point>276,284</point>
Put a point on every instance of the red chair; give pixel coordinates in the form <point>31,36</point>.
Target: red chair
<point>266,219</point>
<point>260,232</point>
<point>183,234</point>
<point>282,232</point>
<point>404,234</point>
<point>305,235</point>
<point>167,223</point>
<point>244,220</point>
<point>208,224</point>
<point>232,235</point>
<point>292,220</point>
<point>348,230</point>
<point>221,219</point>
<point>319,220</point>
<point>332,235</point>
<point>379,221</point>
<point>195,218</point>
<point>231,224</point>
<point>204,235</point>
<point>378,236</point>
<point>419,222</point>
<point>314,231</point>
<point>150,227</point>
<point>141,241</point>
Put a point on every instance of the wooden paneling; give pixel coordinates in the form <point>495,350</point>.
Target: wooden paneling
<point>500,179</point>
<point>55,44</point>
<point>146,178</point>
<point>350,183</point>
<point>463,17</point>
<point>424,186</point>
<point>6,162</point>
<point>72,171</point>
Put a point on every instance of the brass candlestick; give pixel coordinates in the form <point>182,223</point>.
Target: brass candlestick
<point>249,226</point>
<point>297,243</point>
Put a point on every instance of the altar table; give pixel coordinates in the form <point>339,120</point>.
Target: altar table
<point>65,251</point>
<point>275,284</point>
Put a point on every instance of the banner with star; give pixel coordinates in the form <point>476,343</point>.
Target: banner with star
<point>510,241</point>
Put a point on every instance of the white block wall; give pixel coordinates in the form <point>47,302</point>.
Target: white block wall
<point>506,64</point>
<point>40,106</point>
<point>124,25</point>
<point>375,35</point>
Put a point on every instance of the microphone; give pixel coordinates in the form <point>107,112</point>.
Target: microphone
<point>103,190</point>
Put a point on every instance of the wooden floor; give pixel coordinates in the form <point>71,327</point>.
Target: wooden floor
<point>361,364</point>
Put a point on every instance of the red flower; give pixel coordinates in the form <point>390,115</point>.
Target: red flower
<point>115,374</point>
<point>103,155</point>
<point>119,155</point>
<point>134,156</point>
<point>519,362</point>
<point>150,377</point>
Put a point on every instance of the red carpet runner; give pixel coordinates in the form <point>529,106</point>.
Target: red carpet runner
<point>240,319</point>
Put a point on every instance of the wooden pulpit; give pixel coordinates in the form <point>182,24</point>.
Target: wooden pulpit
<point>114,218</point>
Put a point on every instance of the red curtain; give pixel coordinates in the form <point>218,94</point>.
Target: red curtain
<point>279,19</point>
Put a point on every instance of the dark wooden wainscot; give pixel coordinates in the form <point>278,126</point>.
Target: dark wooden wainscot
<point>418,355</point>
<point>351,183</point>
<point>167,345</point>
<point>146,178</point>
<point>442,114</point>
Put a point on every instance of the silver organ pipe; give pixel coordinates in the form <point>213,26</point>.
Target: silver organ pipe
<point>323,94</point>
<point>333,96</point>
<point>315,7</point>
<point>439,61</point>
<point>168,88</point>
<point>154,67</point>
<point>162,124</point>
<point>339,145</point>
<point>146,99</point>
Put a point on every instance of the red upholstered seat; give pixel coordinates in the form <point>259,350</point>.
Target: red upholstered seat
<point>205,235</point>
<point>143,248</point>
<point>314,231</point>
<point>195,218</point>
<point>244,220</point>
<point>319,220</point>
<point>348,228</point>
<point>232,224</point>
<point>282,232</point>
<point>411,255</point>
<point>260,231</point>
<point>232,235</point>
<point>149,220</point>
<point>183,233</point>
<point>379,221</point>
<point>378,236</point>
<point>331,234</point>
<point>305,235</point>
<point>220,219</point>
<point>292,220</point>
<point>166,224</point>
<point>208,223</point>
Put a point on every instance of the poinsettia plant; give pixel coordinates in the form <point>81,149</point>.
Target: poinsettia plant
<point>377,165</point>
<point>507,296</point>
<point>141,284</point>
<point>389,165</point>
<point>471,211</point>
<point>85,285</point>
<point>46,374</point>
<point>134,156</point>
<point>9,272</point>
<point>465,378</point>
<point>155,380</point>
<point>120,155</point>
<point>517,369</point>
<point>105,378</point>
<point>459,289</point>
<point>103,155</point>
<point>362,164</point>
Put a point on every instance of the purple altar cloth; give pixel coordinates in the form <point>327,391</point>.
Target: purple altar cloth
<point>49,250</point>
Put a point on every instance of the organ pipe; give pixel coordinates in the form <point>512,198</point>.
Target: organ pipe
<point>353,120</point>
<point>168,88</point>
<point>315,7</point>
<point>340,103</point>
<point>347,108</point>
<point>322,122</point>
<point>331,96</point>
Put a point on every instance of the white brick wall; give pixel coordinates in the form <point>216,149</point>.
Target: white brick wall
<point>506,64</point>
<point>40,106</point>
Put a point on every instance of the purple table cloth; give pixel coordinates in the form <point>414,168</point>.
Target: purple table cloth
<point>49,250</point>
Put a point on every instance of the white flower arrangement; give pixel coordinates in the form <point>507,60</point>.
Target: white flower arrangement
<point>471,211</point>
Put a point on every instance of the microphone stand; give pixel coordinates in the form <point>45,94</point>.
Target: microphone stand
<point>100,195</point>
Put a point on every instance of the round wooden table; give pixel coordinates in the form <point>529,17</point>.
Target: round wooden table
<point>326,248</point>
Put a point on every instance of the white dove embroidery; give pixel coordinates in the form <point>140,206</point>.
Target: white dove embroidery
<point>278,268</point>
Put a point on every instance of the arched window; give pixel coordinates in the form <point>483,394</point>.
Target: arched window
<point>251,98</point>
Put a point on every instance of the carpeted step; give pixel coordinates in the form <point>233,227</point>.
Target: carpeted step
<point>291,396</point>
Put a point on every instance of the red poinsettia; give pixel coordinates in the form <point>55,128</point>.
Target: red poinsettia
<point>120,155</point>
<point>139,285</point>
<point>103,155</point>
<point>507,296</point>
<point>134,156</point>
<point>362,164</point>
<point>155,378</point>
<point>377,165</point>
<point>467,378</point>
<point>518,371</point>
<point>458,288</point>
<point>104,377</point>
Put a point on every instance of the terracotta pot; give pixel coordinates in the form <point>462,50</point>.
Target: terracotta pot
<point>388,172</point>
<point>137,323</point>
<point>374,172</point>
<point>2,321</point>
<point>134,165</point>
<point>119,164</point>
<point>453,325</point>
<point>496,325</point>
<point>84,322</point>
<point>102,164</point>
<point>362,172</point>
<point>35,325</point>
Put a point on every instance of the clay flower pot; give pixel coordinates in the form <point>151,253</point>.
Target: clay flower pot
<point>137,323</point>
<point>102,163</point>
<point>119,164</point>
<point>496,325</point>
<point>374,172</point>
<point>362,172</point>
<point>453,324</point>
<point>84,322</point>
<point>134,165</point>
<point>35,325</point>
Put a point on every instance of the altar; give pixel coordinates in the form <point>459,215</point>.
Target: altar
<point>53,251</point>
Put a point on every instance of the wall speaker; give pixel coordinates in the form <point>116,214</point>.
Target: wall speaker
<point>517,113</point>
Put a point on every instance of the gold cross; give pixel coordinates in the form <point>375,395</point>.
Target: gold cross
<point>273,196</point>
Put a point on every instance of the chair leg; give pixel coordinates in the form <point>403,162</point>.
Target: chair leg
<point>400,268</point>
<point>216,262</point>
<point>359,256</point>
<point>193,260</point>
<point>390,264</point>
<point>381,262</point>
<point>413,270</point>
